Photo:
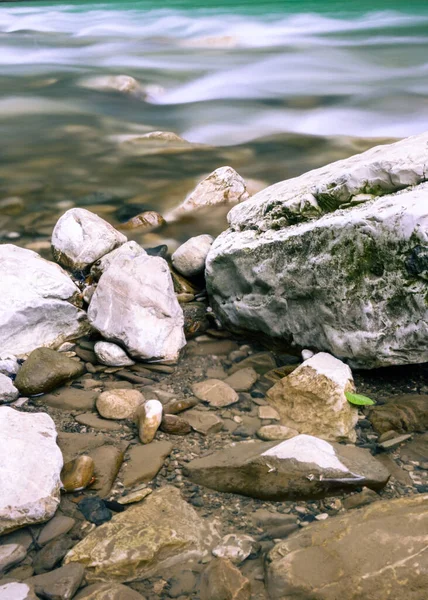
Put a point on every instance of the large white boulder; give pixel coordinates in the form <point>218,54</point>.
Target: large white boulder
<point>312,399</point>
<point>135,306</point>
<point>334,260</point>
<point>222,187</point>
<point>36,303</point>
<point>80,238</point>
<point>31,466</point>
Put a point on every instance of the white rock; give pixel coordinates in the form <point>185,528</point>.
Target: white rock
<point>312,399</point>
<point>306,354</point>
<point>16,591</point>
<point>80,238</point>
<point>119,404</point>
<point>236,547</point>
<point>31,466</point>
<point>135,305</point>
<point>9,364</point>
<point>130,249</point>
<point>8,392</point>
<point>112,355</point>
<point>189,258</point>
<point>223,187</point>
<point>350,282</point>
<point>36,303</point>
<point>119,83</point>
<point>150,420</point>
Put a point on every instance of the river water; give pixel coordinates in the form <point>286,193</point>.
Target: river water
<point>272,88</point>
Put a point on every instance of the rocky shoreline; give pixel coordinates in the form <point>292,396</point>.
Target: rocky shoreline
<point>149,452</point>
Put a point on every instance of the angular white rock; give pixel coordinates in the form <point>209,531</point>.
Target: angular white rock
<point>31,466</point>
<point>130,249</point>
<point>352,282</point>
<point>189,259</point>
<point>135,305</point>
<point>80,238</point>
<point>312,399</point>
<point>36,303</point>
<point>8,392</point>
<point>222,187</point>
<point>236,547</point>
<point>112,355</point>
<point>9,364</point>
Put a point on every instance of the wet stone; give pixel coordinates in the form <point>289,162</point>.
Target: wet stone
<point>94,510</point>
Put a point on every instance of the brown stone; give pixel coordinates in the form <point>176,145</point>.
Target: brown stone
<point>375,553</point>
<point>404,414</point>
<point>215,347</point>
<point>174,407</point>
<point>60,584</point>
<point>73,444</point>
<point>145,462</point>
<point>175,425</point>
<point>44,370</point>
<point>145,221</point>
<point>203,422</point>
<point>262,362</point>
<point>57,526</point>
<point>107,460</point>
<point>94,422</point>
<point>242,380</point>
<point>195,317</point>
<point>77,474</point>
<point>70,399</point>
<point>216,392</point>
<point>221,580</point>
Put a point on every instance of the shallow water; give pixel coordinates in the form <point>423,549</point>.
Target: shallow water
<point>226,74</point>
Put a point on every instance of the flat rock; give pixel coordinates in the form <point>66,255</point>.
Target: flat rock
<point>31,466</point>
<point>57,526</point>
<point>261,362</point>
<point>203,422</point>
<point>37,303</point>
<point>312,399</point>
<point>223,187</point>
<point>145,462</point>
<point>268,412</point>
<point>70,399</point>
<point>404,414</point>
<point>298,468</point>
<point>91,420</point>
<point>112,355</point>
<point>108,591</point>
<point>417,449</point>
<point>135,305</point>
<point>80,238</point>
<point>303,265</point>
<point>15,590</point>
<point>189,258</point>
<point>107,460</point>
<point>366,496</point>
<point>176,406</point>
<point>214,347</point>
<point>73,444</point>
<point>60,584</point>
<point>8,392</point>
<point>144,541</point>
<point>11,555</point>
<point>270,433</point>
<point>375,553</point>
<point>44,370</point>
<point>51,554</point>
<point>242,380</point>
<point>119,404</point>
<point>175,425</point>
<point>221,580</point>
<point>216,392</point>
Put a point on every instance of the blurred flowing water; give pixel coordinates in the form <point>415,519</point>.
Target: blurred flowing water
<point>272,88</point>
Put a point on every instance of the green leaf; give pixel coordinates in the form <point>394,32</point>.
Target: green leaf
<point>358,399</point>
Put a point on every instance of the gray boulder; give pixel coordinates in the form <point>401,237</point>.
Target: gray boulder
<point>135,306</point>
<point>333,260</point>
<point>80,238</point>
<point>301,467</point>
<point>376,553</point>
<point>189,259</point>
<point>37,299</point>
